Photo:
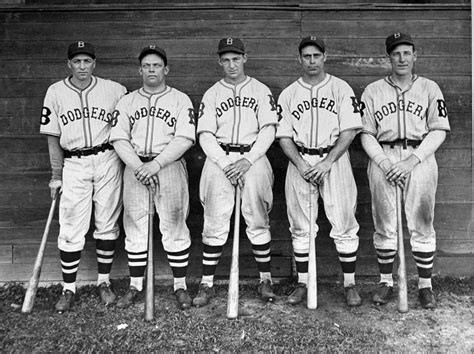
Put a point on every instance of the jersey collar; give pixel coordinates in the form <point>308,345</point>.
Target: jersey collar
<point>68,83</point>
<point>231,86</point>
<point>310,87</point>
<point>389,80</point>
<point>146,94</point>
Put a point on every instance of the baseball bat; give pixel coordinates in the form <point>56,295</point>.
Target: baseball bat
<point>402,270</point>
<point>150,273</point>
<point>312,293</point>
<point>30,294</point>
<point>233,296</point>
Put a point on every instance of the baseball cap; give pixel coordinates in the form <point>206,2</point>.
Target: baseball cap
<point>398,38</point>
<point>80,47</point>
<point>312,40</point>
<point>153,49</point>
<point>231,44</point>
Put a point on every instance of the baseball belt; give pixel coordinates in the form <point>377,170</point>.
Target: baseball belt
<point>235,148</point>
<point>89,151</point>
<point>402,142</point>
<point>314,151</point>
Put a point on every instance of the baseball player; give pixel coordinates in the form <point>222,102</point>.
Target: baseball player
<point>236,126</point>
<point>319,119</point>
<point>77,117</point>
<point>405,121</point>
<point>155,126</point>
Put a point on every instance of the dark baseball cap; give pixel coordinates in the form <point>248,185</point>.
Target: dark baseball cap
<point>312,40</point>
<point>398,38</point>
<point>80,47</point>
<point>153,49</point>
<point>231,44</point>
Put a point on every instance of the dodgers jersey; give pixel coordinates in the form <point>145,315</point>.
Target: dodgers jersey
<point>390,113</point>
<point>81,118</point>
<point>236,113</point>
<point>151,121</point>
<point>314,116</point>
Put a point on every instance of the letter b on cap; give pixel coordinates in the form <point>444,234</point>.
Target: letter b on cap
<point>230,41</point>
<point>80,44</point>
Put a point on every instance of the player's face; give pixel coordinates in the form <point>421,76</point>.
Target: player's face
<point>312,60</point>
<point>153,70</point>
<point>233,65</point>
<point>82,66</point>
<point>402,58</point>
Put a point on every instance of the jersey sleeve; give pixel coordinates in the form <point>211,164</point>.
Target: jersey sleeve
<point>267,107</point>
<point>285,126</point>
<point>437,111</point>
<point>49,123</point>
<point>367,111</point>
<point>207,121</point>
<point>185,120</point>
<point>121,129</point>
<point>349,109</point>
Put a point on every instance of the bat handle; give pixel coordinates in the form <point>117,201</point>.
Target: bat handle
<point>402,272</point>
<point>312,291</point>
<point>150,273</point>
<point>233,295</point>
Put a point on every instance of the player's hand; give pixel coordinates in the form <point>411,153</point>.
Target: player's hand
<point>238,182</point>
<point>147,171</point>
<point>386,166</point>
<point>55,187</point>
<point>399,171</point>
<point>303,167</point>
<point>316,174</point>
<point>236,170</point>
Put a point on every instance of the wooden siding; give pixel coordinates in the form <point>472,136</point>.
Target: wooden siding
<point>34,38</point>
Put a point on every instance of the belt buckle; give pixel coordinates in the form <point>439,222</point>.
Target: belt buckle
<point>320,152</point>
<point>79,153</point>
<point>405,143</point>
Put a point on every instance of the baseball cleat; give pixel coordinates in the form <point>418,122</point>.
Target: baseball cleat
<point>204,294</point>
<point>352,296</point>
<point>183,299</point>
<point>427,299</point>
<point>265,290</point>
<point>383,294</point>
<point>298,295</point>
<point>106,294</point>
<point>129,298</point>
<point>66,300</point>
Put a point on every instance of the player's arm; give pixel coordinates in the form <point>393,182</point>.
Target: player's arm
<point>212,149</point>
<point>317,172</point>
<point>265,138</point>
<point>400,170</point>
<point>56,158</point>
<point>291,151</point>
<point>173,151</point>
<point>127,153</point>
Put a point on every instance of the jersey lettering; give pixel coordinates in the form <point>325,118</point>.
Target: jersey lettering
<point>324,103</point>
<point>238,101</point>
<point>45,113</point>
<point>153,112</point>
<point>192,116</point>
<point>442,110</point>
<point>357,105</point>
<point>393,107</point>
<point>77,114</point>
<point>200,110</point>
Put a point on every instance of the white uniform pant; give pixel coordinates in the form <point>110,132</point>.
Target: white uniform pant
<point>218,199</point>
<point>171,203</point>
<point>90,179</point>
<point>418,197</point>
<point>339,194</point>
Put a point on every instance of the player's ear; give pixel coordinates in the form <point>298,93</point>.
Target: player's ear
<point>167,69</point>
<point>244,58</point>
<point>324,57</point>
<point>300,60</point>
<point>140,71</point>
<point>415,55</point>
<point>69,65</point>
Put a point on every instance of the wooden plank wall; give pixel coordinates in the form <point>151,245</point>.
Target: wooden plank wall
<point>34,38</point>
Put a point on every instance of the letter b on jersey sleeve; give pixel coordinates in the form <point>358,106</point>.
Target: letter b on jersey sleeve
<point>45,116</point>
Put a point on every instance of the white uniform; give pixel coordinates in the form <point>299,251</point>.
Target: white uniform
<point>82,119</point>
<point>150,122</point>
<point>235,114</point>
<point>314,116</point>
<point>391,114</point>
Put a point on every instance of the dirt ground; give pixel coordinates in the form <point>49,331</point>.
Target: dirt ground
<point>272,327</point>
